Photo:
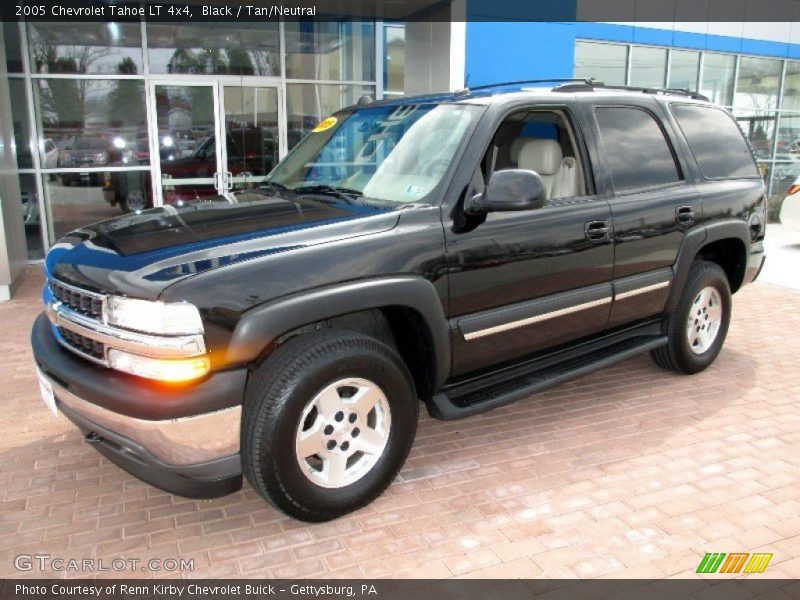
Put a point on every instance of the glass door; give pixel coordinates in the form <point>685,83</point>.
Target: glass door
<point>250,115</point>
<point>185,136</point>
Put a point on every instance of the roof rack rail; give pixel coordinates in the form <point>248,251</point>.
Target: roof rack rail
<point>489,86</point>
<point>590,85</point>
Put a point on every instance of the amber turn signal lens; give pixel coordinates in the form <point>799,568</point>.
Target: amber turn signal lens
<point>160,369</point>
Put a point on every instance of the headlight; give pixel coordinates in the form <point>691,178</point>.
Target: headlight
<point>167,318</point>
<point>162,369</point>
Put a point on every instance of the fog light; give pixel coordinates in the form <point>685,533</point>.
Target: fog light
<point>162,369</point>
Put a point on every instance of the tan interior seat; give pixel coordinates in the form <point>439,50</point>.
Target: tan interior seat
<point>559,173</point>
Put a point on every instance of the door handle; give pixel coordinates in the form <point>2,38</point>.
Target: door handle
<point>684,215</point>
<point>596,231</point>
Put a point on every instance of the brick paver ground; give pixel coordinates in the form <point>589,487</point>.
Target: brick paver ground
<point>629,472</point>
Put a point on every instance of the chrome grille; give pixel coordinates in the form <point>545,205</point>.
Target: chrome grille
<point>83,344</point>
<point>82,301</point>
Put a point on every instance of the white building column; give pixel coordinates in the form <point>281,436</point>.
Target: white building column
<point>435,52</point>
<point>13,253</point>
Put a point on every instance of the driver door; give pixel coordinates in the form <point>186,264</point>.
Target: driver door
<point>527,281</point>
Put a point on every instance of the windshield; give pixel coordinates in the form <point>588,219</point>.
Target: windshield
<point>395,153</point>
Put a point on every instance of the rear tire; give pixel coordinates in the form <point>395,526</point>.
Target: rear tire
<point>328,421</point>
<point>693,344</point>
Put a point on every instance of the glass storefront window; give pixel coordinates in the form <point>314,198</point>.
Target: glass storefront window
<point>758,84</point>
<point>214,48</point>
<point>74,200</point>
<point>791,87</point>
<point>782,176</point>
<point>648,66</point>
<point>12,46</point>
<point>759,129</point>
<point>19,116</point>
<point>93,122</point>
<point>31,217</point>
<point>329,50</point>
<point>251,126</point>
<point>605,62</point>
<point>394,53</point>
<point>788,143</point>
<point>719,71</point>
<point>684,66</point>
<point>308,103</point>
<point>86,48</point>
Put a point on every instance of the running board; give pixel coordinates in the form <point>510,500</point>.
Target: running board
<point>479,396</point>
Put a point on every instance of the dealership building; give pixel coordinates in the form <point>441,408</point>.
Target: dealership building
<point>104,118</point>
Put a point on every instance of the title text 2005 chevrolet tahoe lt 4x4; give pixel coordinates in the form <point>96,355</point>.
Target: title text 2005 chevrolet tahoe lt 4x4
<point>463,250</point>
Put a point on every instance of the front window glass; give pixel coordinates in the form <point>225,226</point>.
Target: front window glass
<point>683,69</point>
<point>394,153</point>
<point>648,66</point>
<point>791,87</point>
<point>214,48</point>
<point>394,69</point>
<point>606,62</point>
<point>308,103</point>
<point>330,50</point>
<point>718,77</point>
<point>13,50</point>
<point>91,122</point>
<point>108,48</point>
<point>758,84</point>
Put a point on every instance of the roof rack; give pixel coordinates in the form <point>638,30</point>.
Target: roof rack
<point>489,86</point>
<point>589,85</point>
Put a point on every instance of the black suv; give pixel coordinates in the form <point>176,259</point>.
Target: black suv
<point>463,250</point>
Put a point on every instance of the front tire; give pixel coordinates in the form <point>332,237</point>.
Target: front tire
<point>328,421</point>
<point>697,327</point>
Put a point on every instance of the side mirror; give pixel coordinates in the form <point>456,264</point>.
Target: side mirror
<point>509,190</point>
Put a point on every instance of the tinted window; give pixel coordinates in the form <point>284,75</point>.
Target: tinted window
<point>635,149</point>
<point>716,142</point>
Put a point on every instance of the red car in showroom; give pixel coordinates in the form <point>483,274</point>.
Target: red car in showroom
<point>250,150</point>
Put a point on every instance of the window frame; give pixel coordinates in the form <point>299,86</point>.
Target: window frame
<point>578,138</point>
<point>738,129</point>
<point>682,176</point>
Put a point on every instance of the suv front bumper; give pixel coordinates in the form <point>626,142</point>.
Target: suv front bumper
<point>183,440</point>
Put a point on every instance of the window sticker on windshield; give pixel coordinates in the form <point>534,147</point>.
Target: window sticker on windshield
<point>413,190</point>
<point>326,124</point>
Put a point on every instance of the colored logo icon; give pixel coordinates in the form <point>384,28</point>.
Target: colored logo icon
<point>735,562</point>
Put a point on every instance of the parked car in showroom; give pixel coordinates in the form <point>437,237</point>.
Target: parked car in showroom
<point>250,150</point>
<point>462,251</point>
<point>88,151</point>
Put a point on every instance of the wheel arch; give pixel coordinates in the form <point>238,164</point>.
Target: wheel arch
<point>726,243</point>
<point>409,306</point>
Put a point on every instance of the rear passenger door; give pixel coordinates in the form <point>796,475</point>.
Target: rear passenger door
<point>653,203</point>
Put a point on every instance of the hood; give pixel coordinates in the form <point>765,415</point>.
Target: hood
<point>140,255</point>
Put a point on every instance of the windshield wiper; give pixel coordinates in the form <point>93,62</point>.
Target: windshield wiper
<point>272,184</point>
<point>345,194</point>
